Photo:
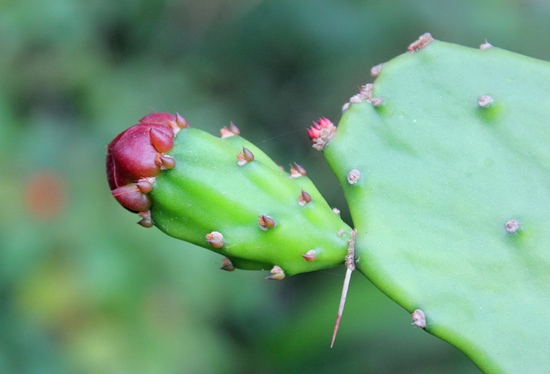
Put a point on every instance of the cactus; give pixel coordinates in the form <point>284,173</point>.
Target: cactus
<point>225,194</point>
<point>444,161</point>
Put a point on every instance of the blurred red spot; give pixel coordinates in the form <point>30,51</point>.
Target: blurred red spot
<point>45,195</point>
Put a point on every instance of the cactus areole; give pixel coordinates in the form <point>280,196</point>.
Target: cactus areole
<point>226,195</point>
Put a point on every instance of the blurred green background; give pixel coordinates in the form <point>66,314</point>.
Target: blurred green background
<point>83,289</point>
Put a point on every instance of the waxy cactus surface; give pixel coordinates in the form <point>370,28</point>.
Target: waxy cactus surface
<point>445,164</point>
<point>225,194</point>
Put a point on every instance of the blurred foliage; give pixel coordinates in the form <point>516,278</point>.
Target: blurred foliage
<point>85,290</point>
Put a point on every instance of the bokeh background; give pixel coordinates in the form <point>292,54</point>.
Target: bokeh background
<point>83,289</point>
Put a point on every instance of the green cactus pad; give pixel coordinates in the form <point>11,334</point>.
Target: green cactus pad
<point>209,192</point>
<point>452,149</point>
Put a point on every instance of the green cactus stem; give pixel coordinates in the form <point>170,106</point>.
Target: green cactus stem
<point>445,163</point>
<point>225,194</point>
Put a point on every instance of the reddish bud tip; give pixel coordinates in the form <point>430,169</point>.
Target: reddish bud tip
<point>313,132</point>
<point>225,133</point>
<point>297,171</point>
<point>215,239</point>
<point>180,122</point>
<point>158,118</point>
<point>321,132</point>
<point>167,162</point>
<point>174,122</point>
<point>144,185</point>
<point>276,274</point>
<point>304,198</point>
<point>146,220</point>
<point>232,130</point>
<point>227,265</point>
<point>138,152</point>
<point>161,140</point>
<point>266,222</point>
<point>132,198</point>
<point>137,155</point>
<point>245,157</point>
<point>310,255</point>
<point>248,156</point>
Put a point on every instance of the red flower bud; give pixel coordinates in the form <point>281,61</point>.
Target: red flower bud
<point>321,132</point>
<point>138,154</point>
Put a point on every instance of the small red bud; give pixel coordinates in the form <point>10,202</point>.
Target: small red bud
<point>227,265</point>
<point>180,122</point>
<point>297,171</point>
<point>232,130</point>
<point>304,198</point>
<point>215,239</point>
<point>266,222</point>
<point>144,185</point>
<point>310,255</point>
<point>146,220</point>
<point>132,198</point>
<point>248,156</point>
<point>313,132</point>
<point>163,141</point>
<point>245,157</point>
<point>137,155</point>
<point>276,274</point>
<point>137,152</point>
<point>158,118</point>
<point>321,132</point>
<point>167,162</point>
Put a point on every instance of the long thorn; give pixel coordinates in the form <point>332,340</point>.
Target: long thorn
<point>342,304</point>
<point>350,264</point>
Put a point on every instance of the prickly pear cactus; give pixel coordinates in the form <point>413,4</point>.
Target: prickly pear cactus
<point>445,164</point>
<point>224,194</point>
